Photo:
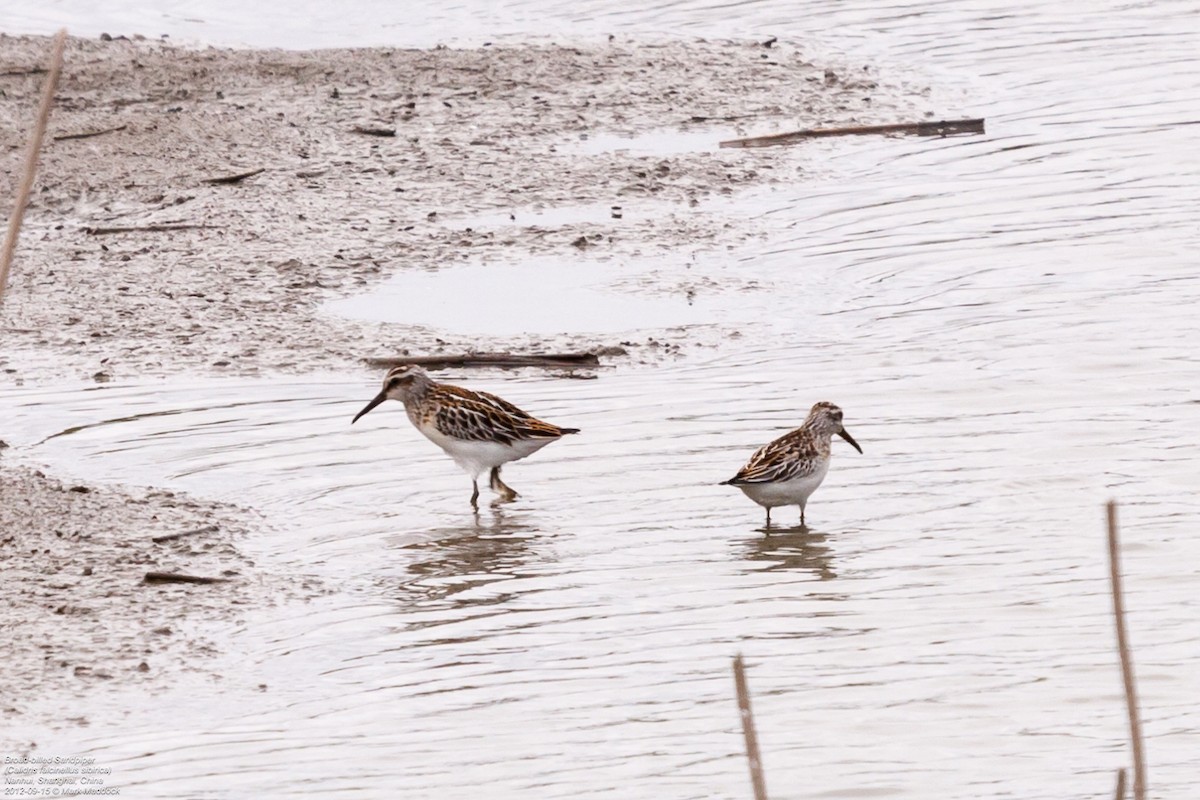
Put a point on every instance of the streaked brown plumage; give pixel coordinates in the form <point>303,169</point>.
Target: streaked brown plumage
<point>788,470</point>
<point>479,430</point>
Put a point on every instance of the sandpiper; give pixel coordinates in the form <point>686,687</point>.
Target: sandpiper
<point>789,469</point>
<point>480,431</point>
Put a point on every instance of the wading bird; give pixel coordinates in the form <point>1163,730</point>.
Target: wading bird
<point>788,470</point>
<point>480,431</point>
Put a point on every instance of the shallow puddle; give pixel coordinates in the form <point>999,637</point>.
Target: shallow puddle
<point>538,296</point>
<point>1009,322</point>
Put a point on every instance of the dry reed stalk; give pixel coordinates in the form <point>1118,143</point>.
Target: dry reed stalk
<point>491,360</point>
<point>179,577</point>
<point>940,128</point>
<point>1120,795</point>
<point>168,537</point>
<point>1131,704</point>
<point>743,695</point>
<point>31,159</point>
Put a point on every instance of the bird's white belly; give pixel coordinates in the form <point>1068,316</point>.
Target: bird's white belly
<point>794,492</point>
<point>476,457</point>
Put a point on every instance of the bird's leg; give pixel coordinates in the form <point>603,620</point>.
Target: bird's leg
<point>768,520</point>
<point>506,492</point>
<point>475,494</point>
<point>802,525</point>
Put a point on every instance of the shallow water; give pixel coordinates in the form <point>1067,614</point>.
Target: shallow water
<point>531,296</point>
<point>1009,323</point>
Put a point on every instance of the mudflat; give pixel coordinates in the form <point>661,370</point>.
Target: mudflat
<point>194,209</point>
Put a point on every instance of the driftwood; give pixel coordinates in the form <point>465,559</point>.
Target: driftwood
<point>1131,703</point>
<point>167,537</point>
<point>491,360</point>
<point>382,132</point>
<point>25,186</point>
<point>940,128</point>
<point>729,118</point>
<point>89,134</point>
<point>241,176</point>
<point>164,228</point>
<point>748,730</point>
<point>179,577</point>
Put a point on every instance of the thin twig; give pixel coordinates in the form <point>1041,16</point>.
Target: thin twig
<point>241,176</point>
<point>1135,724</point>
<point>88,135</point>
<point>31,159</point>
<point>165,228</point>
<point>1120,795</point>
<point>491,360</point>
<point>13,73</point>
<point>939,128</point>
<point>178,577</point>
<point>752,755</point>
<point>727,118</point>
<point>385,133</point>
<point>167,537</point>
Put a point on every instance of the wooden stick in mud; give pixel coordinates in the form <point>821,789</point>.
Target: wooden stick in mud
<point>88,135</point>
<point>385,133</point>
<point>491,360</point>
<point>167,537</point>
<point>164,228</point>
<point>17,73</point>
<point>31,159</point>
<point>1131,704</point>
<point>728,118</point>
<point>1120,795</point>
<point>752,754</point>
<point>941,128</point>
<point>241,176</point>
<point>179,577</point>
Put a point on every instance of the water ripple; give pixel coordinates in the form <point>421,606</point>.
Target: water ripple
<point>1008,321</point>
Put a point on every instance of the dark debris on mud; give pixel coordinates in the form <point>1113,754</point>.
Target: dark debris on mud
<point>228,277</point>
<point>142,255</point>
<point>76,614</point>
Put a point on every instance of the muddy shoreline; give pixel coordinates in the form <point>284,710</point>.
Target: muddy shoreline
<point>78,613</point>
<point>237,289</point>
<point>135,263</point>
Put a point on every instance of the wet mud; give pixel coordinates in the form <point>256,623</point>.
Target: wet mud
<point>135,262</point>
<point>143,256</point>
<point>77,613</point>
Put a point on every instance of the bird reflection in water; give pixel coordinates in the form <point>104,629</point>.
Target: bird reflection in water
<point>451,560</point>
<point>797,548</point>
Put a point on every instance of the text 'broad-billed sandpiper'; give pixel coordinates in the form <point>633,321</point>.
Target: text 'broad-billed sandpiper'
<point>480,431</point>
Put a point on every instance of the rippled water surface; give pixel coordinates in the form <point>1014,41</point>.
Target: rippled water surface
<point>1010,324</point>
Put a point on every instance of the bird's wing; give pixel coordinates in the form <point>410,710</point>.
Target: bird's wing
<point>480,416</point>
<point>503,405</point>
<point>781,460</point>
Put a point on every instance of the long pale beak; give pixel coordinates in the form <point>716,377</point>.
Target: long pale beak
<point>379,398</point>
<point>842,433</point>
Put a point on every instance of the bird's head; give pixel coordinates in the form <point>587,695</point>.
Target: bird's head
<point>401,383</point>
<point>826,418</point>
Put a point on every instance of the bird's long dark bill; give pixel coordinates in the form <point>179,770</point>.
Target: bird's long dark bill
<point>841,433</point>
<point>379,398</point>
